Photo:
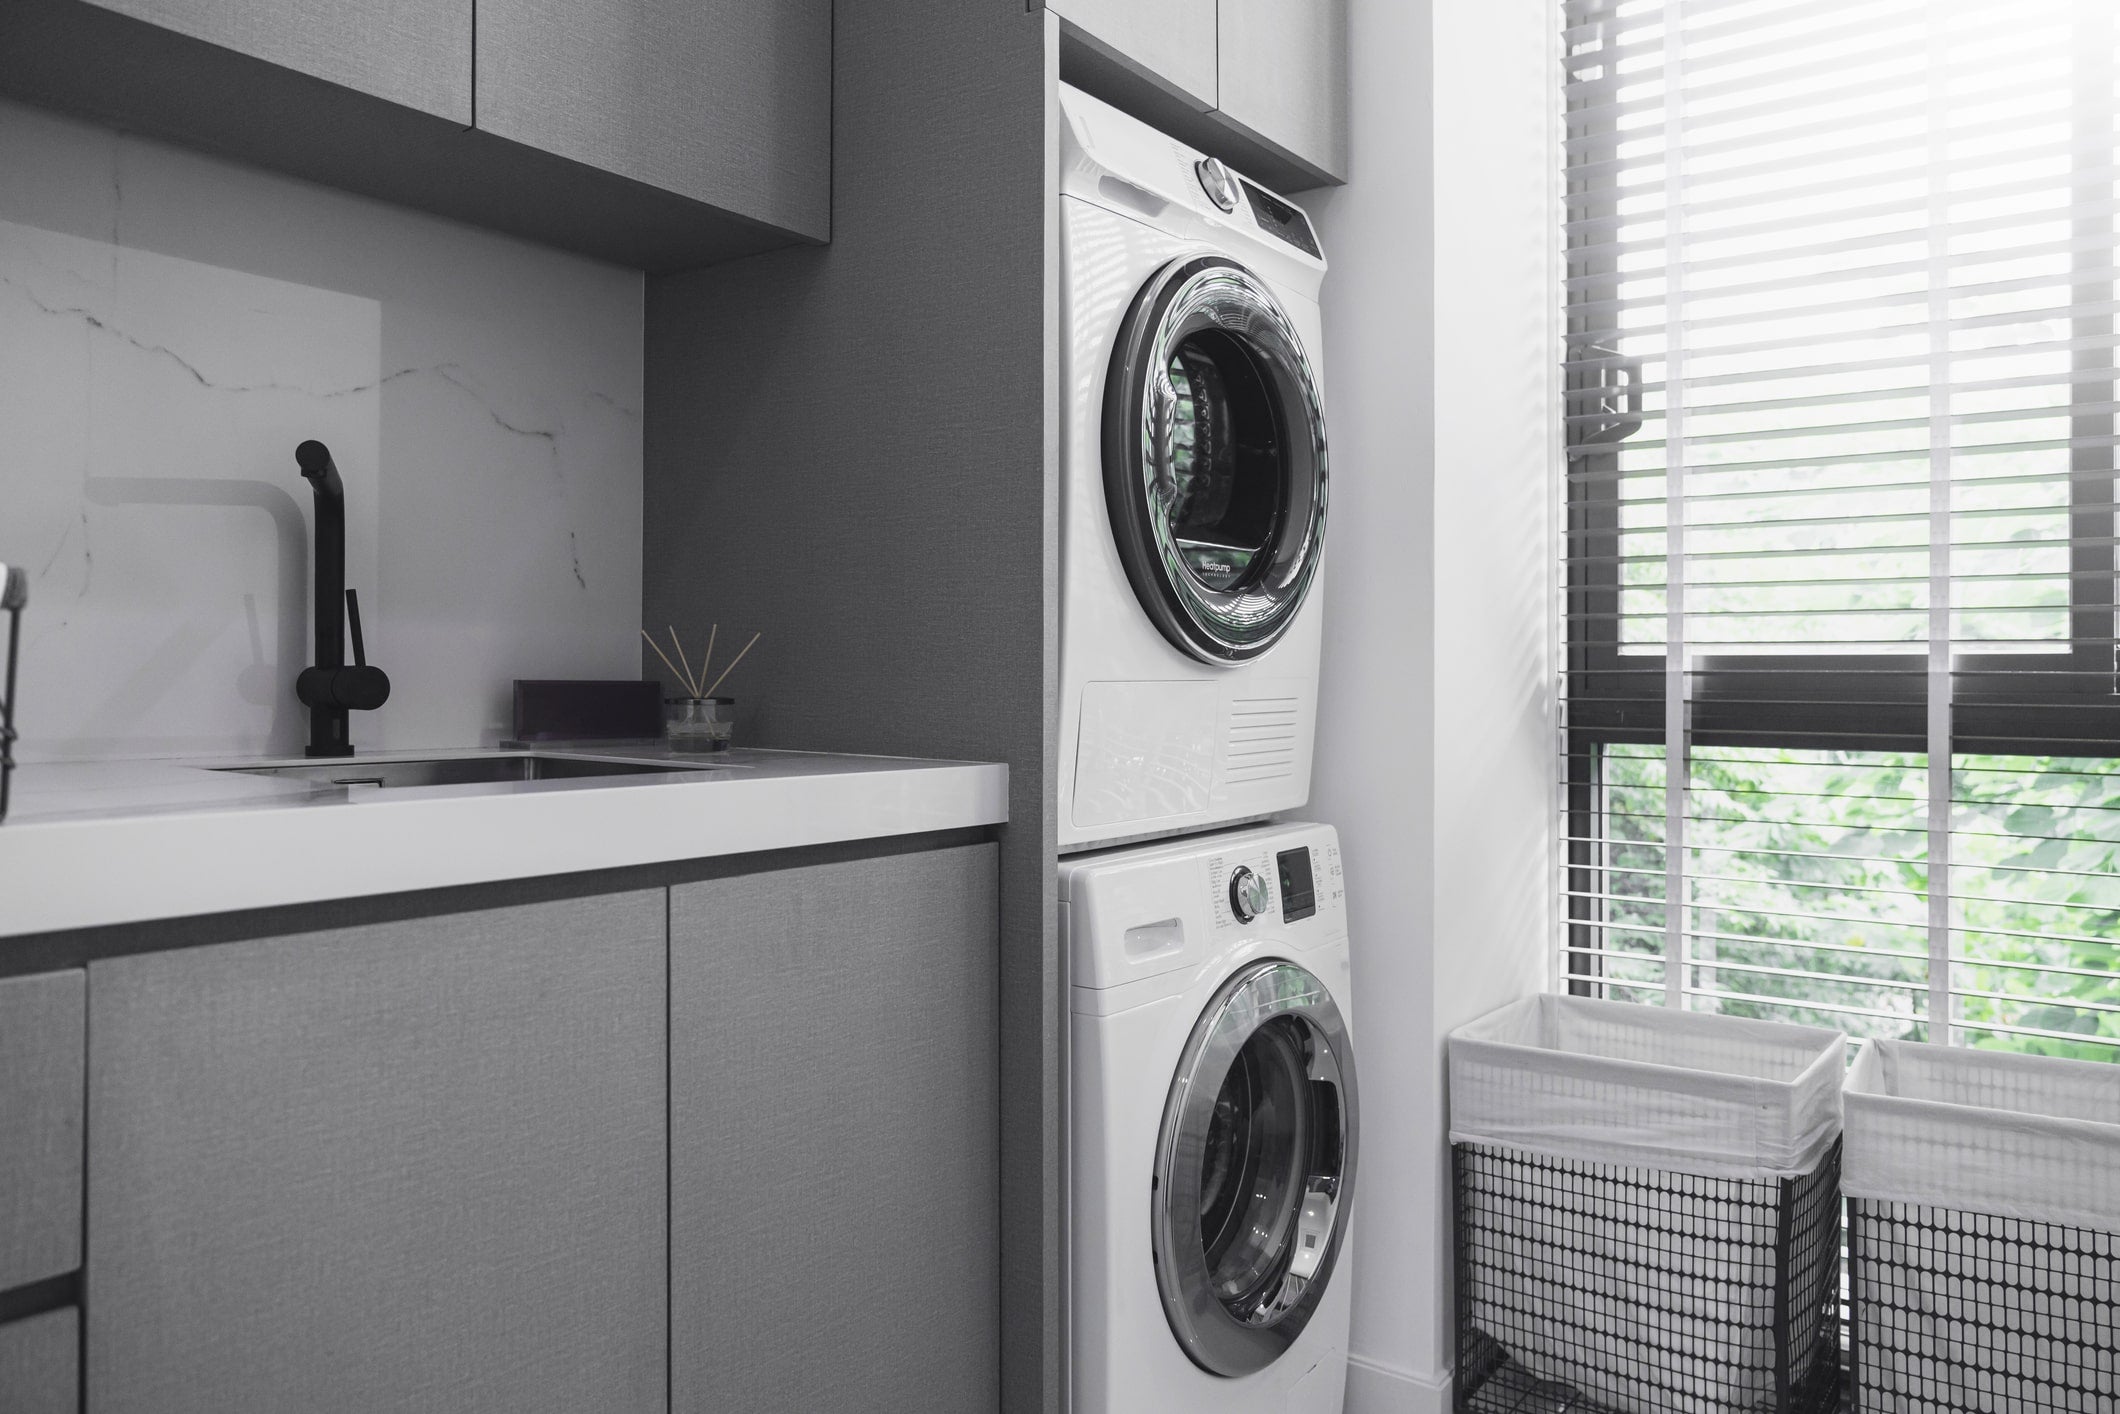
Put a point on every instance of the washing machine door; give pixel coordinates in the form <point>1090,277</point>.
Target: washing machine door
<point>1254,1168</point>
<point>1214,459</point>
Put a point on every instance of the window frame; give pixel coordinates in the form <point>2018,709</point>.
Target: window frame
<point>1876,702</point>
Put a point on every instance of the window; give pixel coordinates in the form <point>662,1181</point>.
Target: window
<point>1842,734</point>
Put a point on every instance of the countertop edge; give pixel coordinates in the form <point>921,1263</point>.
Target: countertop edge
<point>64,875</point>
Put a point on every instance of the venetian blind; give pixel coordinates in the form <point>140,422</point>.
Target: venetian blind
<point>1839,582</point>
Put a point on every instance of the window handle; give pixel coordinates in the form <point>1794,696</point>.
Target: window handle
<point>1623,402</point>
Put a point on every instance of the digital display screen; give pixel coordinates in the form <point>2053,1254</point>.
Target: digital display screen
<point>1299,895</point>
<point>1281,219</point>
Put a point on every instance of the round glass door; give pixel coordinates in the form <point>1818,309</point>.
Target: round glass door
<point>1254,1168</point>
<point>1214,459</point>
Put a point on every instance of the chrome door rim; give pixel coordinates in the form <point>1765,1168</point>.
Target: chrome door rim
<point>1275,1309</point>
<point>1186,298</point>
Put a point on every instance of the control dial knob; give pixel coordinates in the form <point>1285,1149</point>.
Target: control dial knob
<point>1247,894</point>
<point>1218,182</point>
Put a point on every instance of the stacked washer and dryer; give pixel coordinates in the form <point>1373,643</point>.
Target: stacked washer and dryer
<point>1214,1122</point>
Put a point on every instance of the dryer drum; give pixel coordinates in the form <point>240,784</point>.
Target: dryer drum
<point>1214,459</point>
<point>1254,1168</point>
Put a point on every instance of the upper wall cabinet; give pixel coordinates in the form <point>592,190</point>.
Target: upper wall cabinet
<point>1171,40</point>
<point>1284,76</point>
<point>1262,84</point>
<point>413,52</point>
<point>663,134</point>
<point>724,101</point>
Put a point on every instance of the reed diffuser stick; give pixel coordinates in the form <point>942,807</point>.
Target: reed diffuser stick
<point>704,662</point>
<point>691,683</point>
<point>667,663</point>
<point>732,664</point>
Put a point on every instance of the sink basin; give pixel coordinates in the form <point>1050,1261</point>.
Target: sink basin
<point>461,770</point>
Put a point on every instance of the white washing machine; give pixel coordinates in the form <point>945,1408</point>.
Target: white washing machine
<point>1193,487</point>
<point>1214,1124</point>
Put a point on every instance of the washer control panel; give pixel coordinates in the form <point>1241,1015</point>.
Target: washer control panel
<point>1168,909</point>
<point>1288,884</point>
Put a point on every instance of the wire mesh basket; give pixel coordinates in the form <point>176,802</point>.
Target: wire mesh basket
<point>1984,1231</point>
<point>1647,1212</point>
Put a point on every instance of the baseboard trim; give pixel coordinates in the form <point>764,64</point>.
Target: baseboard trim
<point>1377,1388</point>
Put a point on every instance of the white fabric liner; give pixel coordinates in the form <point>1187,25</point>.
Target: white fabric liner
<point>1657,1087</point>
<point>2032,1137</point>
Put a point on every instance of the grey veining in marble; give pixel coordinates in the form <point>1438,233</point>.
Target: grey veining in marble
<point>171,325</point>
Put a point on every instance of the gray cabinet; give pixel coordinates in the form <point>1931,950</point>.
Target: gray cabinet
<point>834,1189</point>
<point>723,101</point>
<point>1261,84</point>
<point>1172,40</point>
<point>1283,76</point>
<point>40,1364</point>
<point>415,1165</point>
<point>42,1032</point>
<point>661,134</point>
<point>412,52</point>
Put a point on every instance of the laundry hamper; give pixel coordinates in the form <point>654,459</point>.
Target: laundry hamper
<point>1984,1231</point>
<point>1647,1211</point>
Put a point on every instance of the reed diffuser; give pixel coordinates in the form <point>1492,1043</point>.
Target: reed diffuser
<point>698,721</point>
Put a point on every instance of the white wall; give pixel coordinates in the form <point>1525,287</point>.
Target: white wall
<point>172,325</point>
<point>1435,740</point>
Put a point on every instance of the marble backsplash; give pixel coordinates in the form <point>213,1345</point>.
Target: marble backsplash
<point>171,325</point>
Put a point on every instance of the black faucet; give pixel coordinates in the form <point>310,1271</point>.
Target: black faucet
<point>329,688</point>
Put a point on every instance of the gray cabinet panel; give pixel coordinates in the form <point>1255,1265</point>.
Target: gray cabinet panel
<point>1170,40</point>
<point>725,101</point>
<point>1284,76</point>
<point>414,52</point>
<point>834,1199</point>
<point>42,1022</point>
<point>40,1364</point>
<point>418,1165</point>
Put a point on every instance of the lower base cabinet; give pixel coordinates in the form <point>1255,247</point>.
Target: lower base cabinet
<point>40,1364</point>
<point>834,1188</point>
<point>412,1166</point>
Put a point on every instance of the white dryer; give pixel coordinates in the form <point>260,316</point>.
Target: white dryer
<point>1214,1124</point>
<point>1193,487</point>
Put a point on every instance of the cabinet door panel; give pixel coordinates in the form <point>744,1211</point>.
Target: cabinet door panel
<point>40,1364</point>
<point>412,1166</point>
<point>725,101</point>
<point>414,52</point>
<point>1172,40</point>
<point>42,1021</point>
<point>834,1168</point>
<point>1284,76</point>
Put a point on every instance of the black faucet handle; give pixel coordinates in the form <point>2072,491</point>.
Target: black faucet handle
<point>355,689</point>
<point>353,626</point>
<point>359,688</point>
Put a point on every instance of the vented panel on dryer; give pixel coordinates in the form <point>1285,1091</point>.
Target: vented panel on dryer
<point>1261,743</point>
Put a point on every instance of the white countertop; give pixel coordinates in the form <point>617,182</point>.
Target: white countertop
<point>95,843</point>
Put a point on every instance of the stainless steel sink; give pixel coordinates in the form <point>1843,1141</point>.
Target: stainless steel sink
<point>462,770</point>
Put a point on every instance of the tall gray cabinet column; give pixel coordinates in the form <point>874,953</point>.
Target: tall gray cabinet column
<point>413,1166</point>
<point>855,450</point>
<point>834,1165</point>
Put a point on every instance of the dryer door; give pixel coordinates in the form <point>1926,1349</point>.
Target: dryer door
<point>1254,1168</point>
<point>1214,459</point>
